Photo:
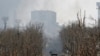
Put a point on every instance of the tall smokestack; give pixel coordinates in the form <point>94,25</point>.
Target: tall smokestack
<point>98,4</point>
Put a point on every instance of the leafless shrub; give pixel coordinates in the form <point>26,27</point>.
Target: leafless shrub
<point>27,42</point>
<point>80,40</point>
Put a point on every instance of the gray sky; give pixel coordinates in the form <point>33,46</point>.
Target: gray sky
<point>6,6</point>
<point>66,9</point>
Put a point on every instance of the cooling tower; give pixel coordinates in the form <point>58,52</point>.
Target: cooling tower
<point>48,19</point>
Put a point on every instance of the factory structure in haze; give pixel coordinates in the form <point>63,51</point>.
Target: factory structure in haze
<point>50,28</point>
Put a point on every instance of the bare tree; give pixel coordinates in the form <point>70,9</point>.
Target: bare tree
<point>80,40</point>
<point>27,42</point>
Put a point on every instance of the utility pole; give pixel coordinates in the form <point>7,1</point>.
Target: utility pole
<point>98,4</point>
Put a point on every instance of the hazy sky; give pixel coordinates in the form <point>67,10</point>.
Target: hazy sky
<point>66,9</point>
